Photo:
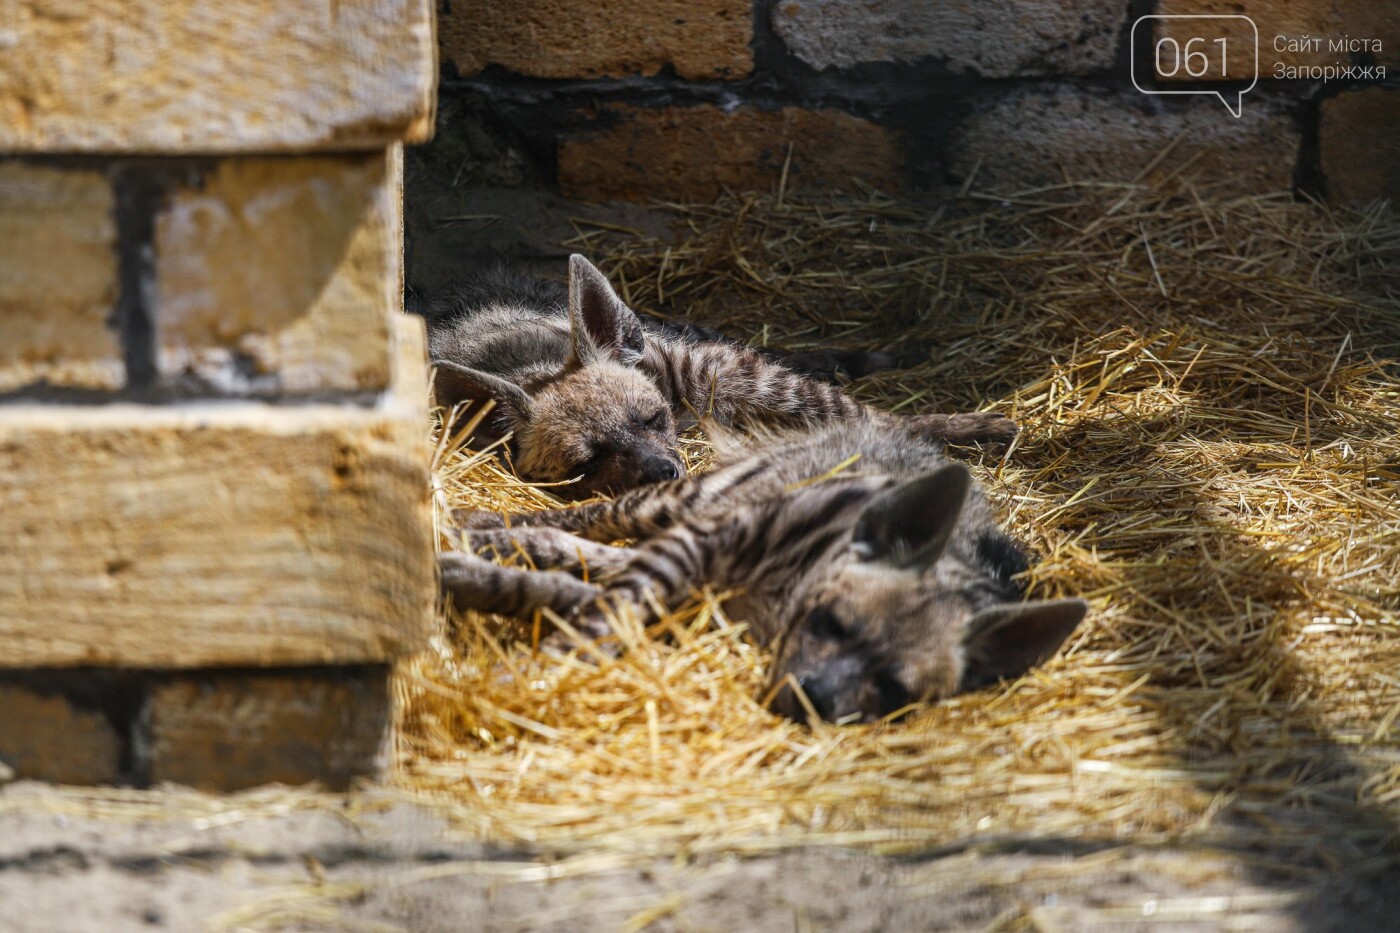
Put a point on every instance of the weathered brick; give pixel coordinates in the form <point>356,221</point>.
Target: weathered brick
<point>58,278</point>
<point>694,153</point>
<point>996,39</point>
<point>226,731</point>
<point>1289,20</point>
<point>1360,143</point>
<point>46,737</point>
<point>179,76</point>
<point>1044,136</point>
<point>279,275</point>
<point>586,39</point>
<point>217,534</point>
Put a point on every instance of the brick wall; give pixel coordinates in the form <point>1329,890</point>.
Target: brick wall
<point>649,100</point>
<point>214,528</point>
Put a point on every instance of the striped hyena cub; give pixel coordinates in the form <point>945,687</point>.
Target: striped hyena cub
<point>869,563</point>
<point>587,391</point>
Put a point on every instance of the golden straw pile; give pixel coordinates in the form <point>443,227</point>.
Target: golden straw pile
<point>1209,393</point>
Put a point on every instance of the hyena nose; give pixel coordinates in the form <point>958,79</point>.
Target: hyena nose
<point>659,470</point>
<point>820,694</point>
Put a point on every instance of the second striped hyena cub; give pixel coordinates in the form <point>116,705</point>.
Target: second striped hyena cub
<point>586,391</point>
<point>871,565</point>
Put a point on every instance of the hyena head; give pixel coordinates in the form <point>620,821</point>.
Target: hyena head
<point>602,419</point>
<point>885,625</point>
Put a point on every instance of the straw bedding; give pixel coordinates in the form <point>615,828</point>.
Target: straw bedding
<point>1209,396</point>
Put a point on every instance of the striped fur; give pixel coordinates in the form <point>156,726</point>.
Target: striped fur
<point>587,391</point>
<point>871,564</point>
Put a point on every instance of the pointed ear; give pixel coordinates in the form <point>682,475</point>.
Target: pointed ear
<point>1009,639</point>
<point>454,383</point>
<point>600,325</point>
<point>910,525</point>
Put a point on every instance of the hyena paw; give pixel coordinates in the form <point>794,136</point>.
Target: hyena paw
<point>981,427</point>
<point>498,543</point>
<point>972,427</point>
<point>467,578</point>
<point>478,520</point>
<point>592,625</point>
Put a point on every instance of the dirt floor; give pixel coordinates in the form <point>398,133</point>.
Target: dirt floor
<point>293,860</point>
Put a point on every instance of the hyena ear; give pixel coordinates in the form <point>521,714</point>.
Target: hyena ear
<point>910,525</point>
<point>454,383</point>
<point>1009,639</point>
<point>600,325</point>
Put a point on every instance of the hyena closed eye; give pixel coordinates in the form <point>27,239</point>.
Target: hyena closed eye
<point>589,393</point>
<point>872,566</point>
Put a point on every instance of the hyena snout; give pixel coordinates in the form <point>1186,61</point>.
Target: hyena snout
<point>659,470</point>
<point>629,467</point>
<point>843,689</point>
<point>649,460</point>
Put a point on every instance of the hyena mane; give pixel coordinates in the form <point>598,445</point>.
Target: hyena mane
<point>871,565</point>
<point>587,391</point>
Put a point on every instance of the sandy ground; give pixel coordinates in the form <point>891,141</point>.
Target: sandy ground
<point>171,860</point>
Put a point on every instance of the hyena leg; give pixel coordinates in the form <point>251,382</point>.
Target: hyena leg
<point>640,513</point>
<point>659,571</point>
<point>830,365</point>
<point>970,427</point>
<point>476,583</point>
<point>671,566</point>
<point>548,548</point>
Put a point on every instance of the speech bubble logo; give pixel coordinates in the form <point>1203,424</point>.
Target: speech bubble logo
<point>1210,47</point>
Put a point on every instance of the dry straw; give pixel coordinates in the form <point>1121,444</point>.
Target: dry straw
<point>1208,392</point>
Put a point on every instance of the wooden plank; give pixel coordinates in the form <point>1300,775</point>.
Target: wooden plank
<point>181,76</point>
<point>58,279</point>
<point>45,736</point>
<point>214,534</point>
<point>224,732</point>
<point>279,276</point>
